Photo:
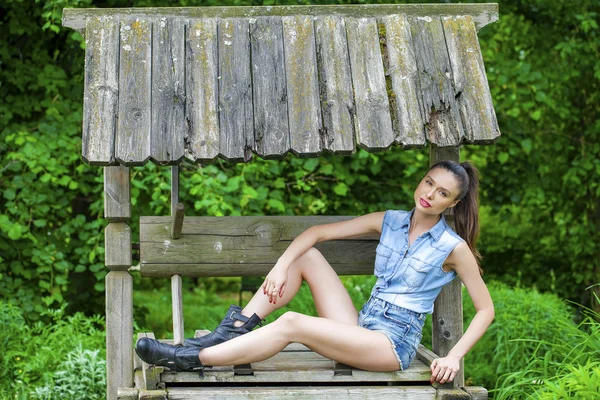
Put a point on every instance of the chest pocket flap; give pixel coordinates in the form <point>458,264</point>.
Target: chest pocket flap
<point>416,272</point>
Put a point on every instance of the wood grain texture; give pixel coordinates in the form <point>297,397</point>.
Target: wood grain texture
<point>236,116</point>
<point>241,246</point>
<point>271,126</point>
<point>302,85</point>
<point>177,221</point>
<point>127,394</point>
<point>117,244</point>
<point>337,98</point>
<point>117,194</point>
<point>321,393</point>
<point>168,90</point>
<point>482,13</point>
<point>440,109</point>
<point>373,122</point>
<point>101,90</point>
<point>202,140</point>
<point>402,79</point>
<point>177,306</point>
<point>470,81</point>
<point>119,332</point>
<point>135,92</point>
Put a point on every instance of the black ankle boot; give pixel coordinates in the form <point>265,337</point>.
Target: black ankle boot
<point>226,329</point>
<point>179,358</point>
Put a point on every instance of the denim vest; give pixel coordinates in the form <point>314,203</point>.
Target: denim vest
<point>412,277</point>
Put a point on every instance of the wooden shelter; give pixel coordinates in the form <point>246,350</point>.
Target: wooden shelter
<point>164,84</point>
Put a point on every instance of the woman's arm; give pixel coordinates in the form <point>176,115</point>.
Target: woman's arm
<point>463,262</point>
<point>359,226</point>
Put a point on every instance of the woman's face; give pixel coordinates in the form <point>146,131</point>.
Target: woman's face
<point>437,191</point>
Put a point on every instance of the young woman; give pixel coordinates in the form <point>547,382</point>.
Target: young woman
<point>417,255</point>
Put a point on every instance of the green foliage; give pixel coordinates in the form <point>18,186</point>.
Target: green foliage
<point>540,181</point>
<point>565,366</point>
<point>31,352</point>
<point>82,372</point>
<point>524,318</point>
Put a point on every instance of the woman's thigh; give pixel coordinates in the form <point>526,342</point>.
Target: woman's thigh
<point>343,342</point>
<point>331,297</point>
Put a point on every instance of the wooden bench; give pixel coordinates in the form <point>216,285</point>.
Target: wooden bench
<point>168,84</point>
<point>250,246</point>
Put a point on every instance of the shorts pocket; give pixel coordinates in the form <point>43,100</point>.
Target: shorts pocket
<point>398,321</point>
<point>415,273</point>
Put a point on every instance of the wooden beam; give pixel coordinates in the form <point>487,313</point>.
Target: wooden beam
<point>119,332</point>
<point>177,221</point>
<point>482,13</point>
<point>117,242</point>
<point>448,311</point>
<point>177,305</point>
<point>117,206</point>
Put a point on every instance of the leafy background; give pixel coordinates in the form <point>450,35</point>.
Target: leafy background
<point>540,185</point>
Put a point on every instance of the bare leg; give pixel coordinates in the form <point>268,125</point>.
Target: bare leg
<point>331,298</point>
<point>343,342</point>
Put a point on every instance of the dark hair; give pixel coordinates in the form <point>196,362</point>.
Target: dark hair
<point>466,211</point>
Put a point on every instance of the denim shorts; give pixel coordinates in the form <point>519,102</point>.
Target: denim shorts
<point>401,326</point>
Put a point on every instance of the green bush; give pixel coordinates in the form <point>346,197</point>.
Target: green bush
<point>32,353</point>
<point>81,372</point>
<point>563,366</point>
<point>526,321</point>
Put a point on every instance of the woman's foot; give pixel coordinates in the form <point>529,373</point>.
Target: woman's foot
<point>226,329</point>
<point>179,358</point>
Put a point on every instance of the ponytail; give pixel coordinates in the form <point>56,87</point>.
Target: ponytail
<point>466,211</point>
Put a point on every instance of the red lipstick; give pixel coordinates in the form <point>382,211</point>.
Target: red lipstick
<point>424,203</point>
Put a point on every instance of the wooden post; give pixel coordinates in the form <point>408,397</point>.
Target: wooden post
<point>448,312</point>
<point>177,211</point>
<point>119,284</point>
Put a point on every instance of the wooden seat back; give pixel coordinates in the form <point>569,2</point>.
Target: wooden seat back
<point>241,246</point>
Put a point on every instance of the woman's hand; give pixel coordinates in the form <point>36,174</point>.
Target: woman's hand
<point>275,283</point>
<point>444,369</point>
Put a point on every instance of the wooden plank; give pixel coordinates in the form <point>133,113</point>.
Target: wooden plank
<point>101,90</point>
<point>470,81</point>
<point>482,14</point>
<point>337,98</point>
<point>302,85</point>
<point>174,189</point>
<point>226,256</point>
<point>177,305</point>
<point>127,394</point>
<point>177,221</point>
<point>202,141</point>
<point>236,116</point>
<point>435,79</point>
<point>135,68</point>
<point>477,392</point>
<point>373,121</point>
<point>271,127</point>
<point>117,203</point>
<point>266,229</point>
<point>402,82</point>
<point>448,313</point>
<point>153,394</point>
<point>416,373</point>
<point>321,393</point>
<point>425,355</point>
<point>117,244</point>
<point>168,90</point>
<point>119,332</point>
<point>196,270</point>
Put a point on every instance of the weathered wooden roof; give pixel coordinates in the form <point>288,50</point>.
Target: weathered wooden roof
<point>162,84</point>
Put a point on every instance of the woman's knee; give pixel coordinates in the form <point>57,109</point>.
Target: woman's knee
<point>311,258</point>
<point>292,322</point>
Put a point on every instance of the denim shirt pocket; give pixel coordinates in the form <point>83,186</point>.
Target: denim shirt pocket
<point>415,273</point>
<point>385,261</point>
